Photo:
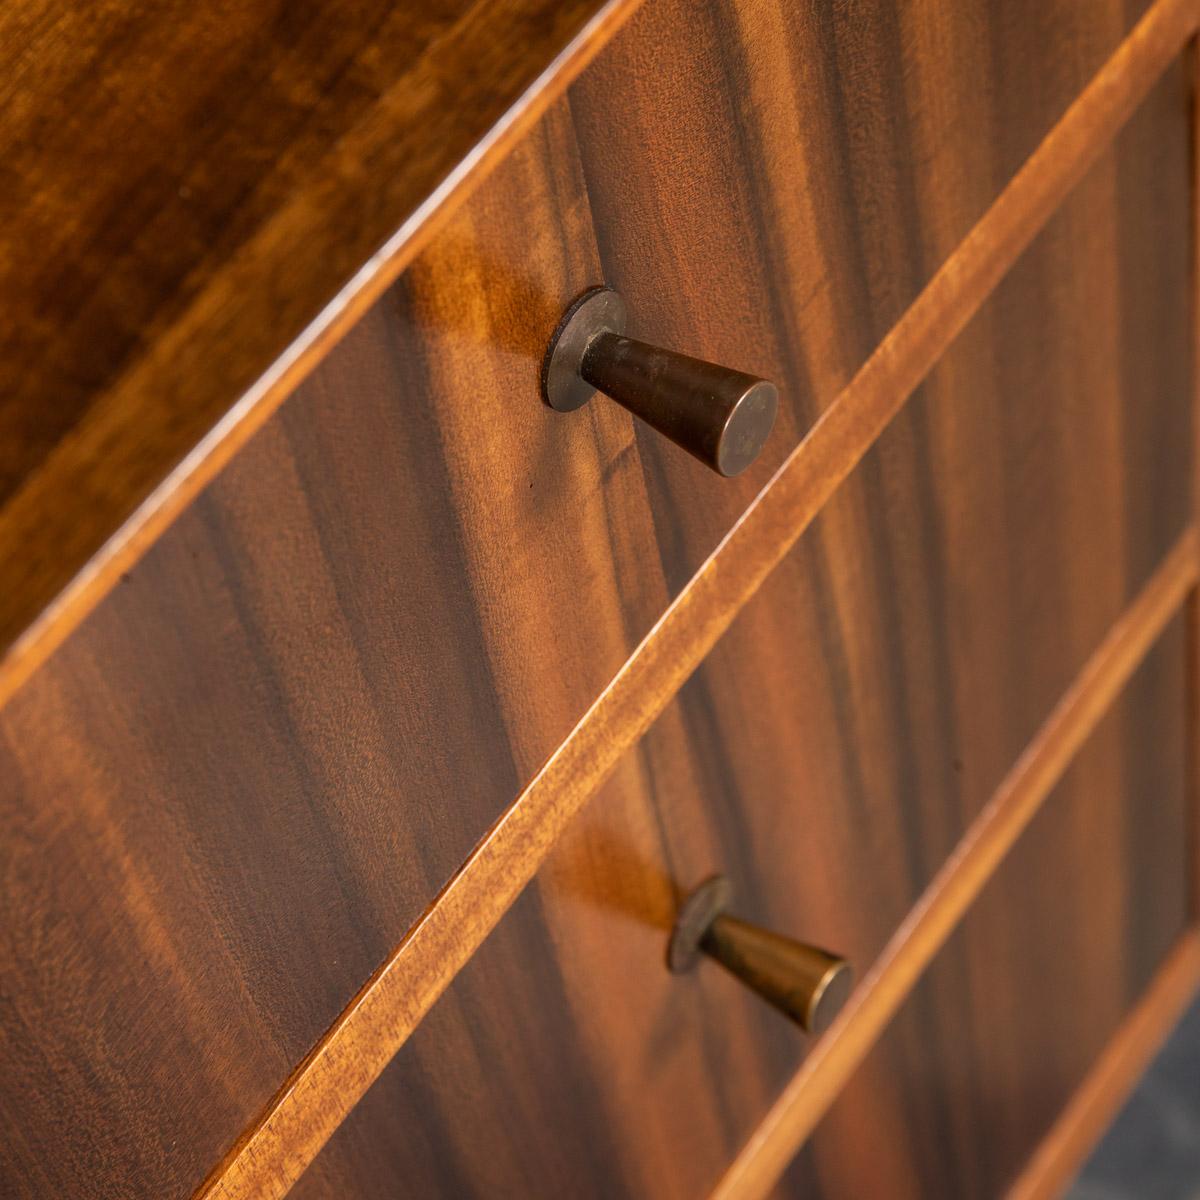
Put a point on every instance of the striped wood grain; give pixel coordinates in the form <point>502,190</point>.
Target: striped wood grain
<point>825,1072</point>
<point>192,307</point>
<point>327,1084</point>
<point>346,658</point>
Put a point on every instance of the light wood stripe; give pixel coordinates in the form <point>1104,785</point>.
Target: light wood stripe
<point>328,1083</point>
<point>1100,1096</point>
<point>835,1058</point>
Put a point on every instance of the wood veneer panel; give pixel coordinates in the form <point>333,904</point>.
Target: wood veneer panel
<point>193,208</point>
<point>185,283</point>
<point>229,795</point>
<point>565,1059</point>
<point>1015,802</point>
<point>990,692</point>
<point>1026,995</point>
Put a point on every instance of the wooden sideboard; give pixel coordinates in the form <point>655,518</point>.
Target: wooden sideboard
<point>365,723</point>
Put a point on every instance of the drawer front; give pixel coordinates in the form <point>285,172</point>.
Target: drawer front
<point>1063,940</point>
<point>227,797</point>
<point>829,754</point>
<point>566,1060</point>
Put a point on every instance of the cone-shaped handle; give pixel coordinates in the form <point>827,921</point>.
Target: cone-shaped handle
<point>808,985</point>
<point>720,416</point>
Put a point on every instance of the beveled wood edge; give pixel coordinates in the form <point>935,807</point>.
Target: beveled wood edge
<point>198,468</point>
<point>1099,1097</point>
<point>1192,622</point>
<point>326,1085</point>
<point>837,1055</point>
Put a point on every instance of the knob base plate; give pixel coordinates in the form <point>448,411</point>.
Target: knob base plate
<point>699,911</point>
<point>598,310</point>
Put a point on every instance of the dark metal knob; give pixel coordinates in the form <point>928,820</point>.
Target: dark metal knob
<point>807,984</point>
<point>722,417</point>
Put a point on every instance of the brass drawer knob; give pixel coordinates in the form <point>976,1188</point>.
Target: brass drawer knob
<point>808,985</point>
<point>722,417</point>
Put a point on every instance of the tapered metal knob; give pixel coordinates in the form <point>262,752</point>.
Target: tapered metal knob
<point>722,417</point>
<point>808,985</point>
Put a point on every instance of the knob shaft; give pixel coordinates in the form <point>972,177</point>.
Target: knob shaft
<point>806,984</point>
<point>720,416</point>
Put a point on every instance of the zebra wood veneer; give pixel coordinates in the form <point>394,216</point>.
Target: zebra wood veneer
<point>365,722</point>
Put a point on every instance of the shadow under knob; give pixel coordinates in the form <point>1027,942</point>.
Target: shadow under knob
<point>806,984</point>
<point>720,416</point>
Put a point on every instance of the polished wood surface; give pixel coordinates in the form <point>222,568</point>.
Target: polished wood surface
<point>991,485</point>
<point>976,858</point>
<point>1026,994</point>
<point>1114,1076</point>
<point>243,228</point>
<point>196,206</point>
<point>594,1072</point>
<point>227,797</point>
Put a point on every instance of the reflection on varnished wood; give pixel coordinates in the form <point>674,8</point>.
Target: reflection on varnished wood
<point>227,798</point>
